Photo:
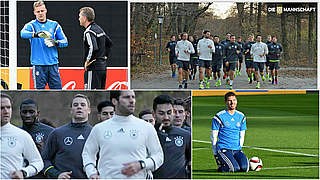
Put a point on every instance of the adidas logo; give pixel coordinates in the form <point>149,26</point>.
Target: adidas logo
<point>168,139</point>
<point>80,137</point>
<point>121,130</point>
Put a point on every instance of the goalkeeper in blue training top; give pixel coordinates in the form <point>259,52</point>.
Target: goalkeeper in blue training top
<point>45,36</point>
<point>229,127</point>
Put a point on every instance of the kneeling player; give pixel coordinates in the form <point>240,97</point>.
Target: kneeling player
<point>229,127</point>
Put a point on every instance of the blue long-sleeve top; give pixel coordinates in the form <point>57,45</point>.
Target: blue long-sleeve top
<point>40,53</point>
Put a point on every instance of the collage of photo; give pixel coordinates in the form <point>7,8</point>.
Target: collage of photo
<point>159,89</point>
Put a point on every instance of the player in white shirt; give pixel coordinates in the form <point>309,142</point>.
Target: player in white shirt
<point>183,50</point>
<point>128,146</point>
<point>205,49</point>
<point>259,50</point>
<point>16,145</point>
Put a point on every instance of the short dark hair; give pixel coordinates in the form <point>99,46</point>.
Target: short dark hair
<point>4,95</point>
<point>179,102</point>
<point>274,37</point>
<point>228,33</point>
<point>104,104</point>
<point>215,36</point>
<point>232,35</point>
<point>227,95</point>
<point>205,31</point>
<point>115,94</point>
<point>239,37</point>
<point>144,112</point>
<point>161,99</point>
<point>258,35</point>
<point>172,36</point>
<point>81,96</point>
<point>28,101</point>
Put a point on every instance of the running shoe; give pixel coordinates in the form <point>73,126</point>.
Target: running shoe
<point>263,78</point>
<point>219,82</point>
<point>186,85</point>
<point>216,84</point>
<point>201,86</point>
<point>276,81</point>
<point>272,81</point>
<point>230,87</point>
<point>173,75</point>
<point>258,85</point>
<point>180,86</point>
<point>208,85</point>
<point>224,76</point>
<point>184,81</point>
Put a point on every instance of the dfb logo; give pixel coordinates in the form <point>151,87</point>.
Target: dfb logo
<point>271,9</point>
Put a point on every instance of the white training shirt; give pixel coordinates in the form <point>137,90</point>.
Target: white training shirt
<point>16,145</point>
<point>184,45</point>
<point>204,50</point>
<point>119,140</point>
<point>257,49</point>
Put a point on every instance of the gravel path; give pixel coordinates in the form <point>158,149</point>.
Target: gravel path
<point>165,81</point>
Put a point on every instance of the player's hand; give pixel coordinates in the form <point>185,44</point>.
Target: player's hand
<point>209,46</point>
<point>177,55</point>
<point>94,176</point>
<point>65,175</point>
<point>186,51</point>
<point>50,42</point>
<point>16,175</point>
<point>131,168</point>
<point>43,34</point>
<point>261,55</point>
<point>237,51</point>
<point>87,64</point>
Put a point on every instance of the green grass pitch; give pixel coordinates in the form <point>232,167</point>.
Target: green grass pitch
<point>287,123</point>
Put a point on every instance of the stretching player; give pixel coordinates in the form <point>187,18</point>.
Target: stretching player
<point>259,50</point>
<point>205,49</point>
<point>232,51</point>
<point>227,137</point>
<point>183,50</point>
<point>172,55</point>
<point>128,146</point>
<point>62,152</point>
<point>97,47</point>
<point>275,50</point>
<point>45,36</point>
<point>217,59</point>
<point>16,145</point>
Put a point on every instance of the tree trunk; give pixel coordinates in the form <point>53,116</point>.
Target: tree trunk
<point>298,31</point>
<point>259,18</point>
<point>240,8</point>
<point>251,15</point>
<point>283,35</point>
<point>310,38</point>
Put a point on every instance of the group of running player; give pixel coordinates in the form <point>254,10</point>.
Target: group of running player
<point>119,146</point>
<point>210,55</point>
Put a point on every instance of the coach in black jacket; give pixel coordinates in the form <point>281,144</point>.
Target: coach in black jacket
<point>97,46</point>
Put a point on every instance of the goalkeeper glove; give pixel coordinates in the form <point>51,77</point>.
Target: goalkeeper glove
<point>50,42</point>
<point>42,34</point>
